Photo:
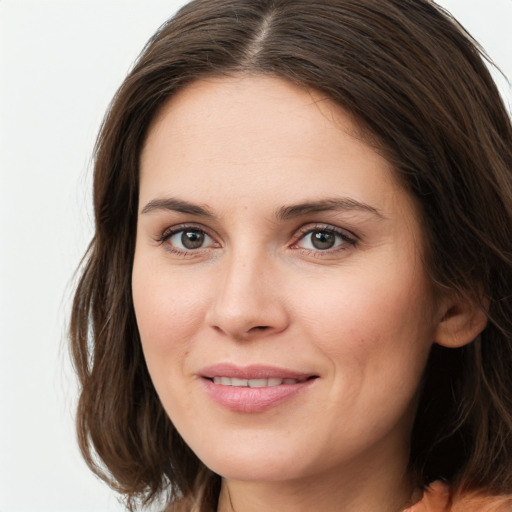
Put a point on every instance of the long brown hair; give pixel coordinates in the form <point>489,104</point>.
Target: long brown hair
<point>419,88</point>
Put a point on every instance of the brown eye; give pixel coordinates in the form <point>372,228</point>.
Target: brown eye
<point>188,239</point>
<point>192,239</point>
<point>322,240</point>
<point>325,239</point>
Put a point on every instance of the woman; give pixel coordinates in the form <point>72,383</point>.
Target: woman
<point>298,294</point>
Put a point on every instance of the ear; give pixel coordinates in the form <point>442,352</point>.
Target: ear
<point>463,320</point>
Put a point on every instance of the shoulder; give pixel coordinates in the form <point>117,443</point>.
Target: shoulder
<point>438,498</point>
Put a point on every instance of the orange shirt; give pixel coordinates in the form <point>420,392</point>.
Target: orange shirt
<point>437,498</point>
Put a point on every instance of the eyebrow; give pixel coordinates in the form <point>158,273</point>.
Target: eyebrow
<point>335,204</point>
<point>177,205</point>
<point>282,213</point>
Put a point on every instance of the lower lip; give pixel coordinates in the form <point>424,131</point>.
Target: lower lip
<point>252,400</point>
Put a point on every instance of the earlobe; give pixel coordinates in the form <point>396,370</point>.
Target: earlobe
<point>463,320</point>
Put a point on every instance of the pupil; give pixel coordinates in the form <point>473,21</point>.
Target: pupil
<point>192,239</point>
<point>322,240</point>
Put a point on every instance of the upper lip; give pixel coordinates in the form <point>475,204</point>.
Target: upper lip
<point>252,372</point>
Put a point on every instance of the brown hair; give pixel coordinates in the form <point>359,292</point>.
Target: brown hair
<point>417,83</point>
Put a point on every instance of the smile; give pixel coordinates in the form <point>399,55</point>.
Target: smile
<point>253,389</point>
<point>254,383</point>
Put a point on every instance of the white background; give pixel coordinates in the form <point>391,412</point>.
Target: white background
<point>60,64</point>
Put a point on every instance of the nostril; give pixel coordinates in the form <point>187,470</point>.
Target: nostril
<point>259,328</point>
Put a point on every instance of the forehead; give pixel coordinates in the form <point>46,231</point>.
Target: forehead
<point>234,113</point>
<point>251,134</point>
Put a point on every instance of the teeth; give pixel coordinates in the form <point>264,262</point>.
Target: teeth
<point>252,383</point>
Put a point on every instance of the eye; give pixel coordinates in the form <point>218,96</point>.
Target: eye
<point>187,239</point>
<point>324,239</point>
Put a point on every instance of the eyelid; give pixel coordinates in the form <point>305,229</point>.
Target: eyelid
<point>348,237</point>
<point>176,228</point>
<point>170,231</point>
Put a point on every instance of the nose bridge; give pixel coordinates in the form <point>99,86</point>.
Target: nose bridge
<point>248,299</point>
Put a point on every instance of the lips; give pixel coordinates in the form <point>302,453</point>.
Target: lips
<point>253,389</point>
<point>253,383</point>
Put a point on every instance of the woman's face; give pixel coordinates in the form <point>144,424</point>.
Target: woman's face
<point>278,284</point>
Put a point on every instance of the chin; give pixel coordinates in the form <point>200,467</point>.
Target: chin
<point>253,463</point>
<point>254,471</point>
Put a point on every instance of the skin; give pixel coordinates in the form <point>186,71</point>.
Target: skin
<point>361,316</point>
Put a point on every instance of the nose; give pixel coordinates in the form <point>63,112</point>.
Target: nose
<point>249,301</point>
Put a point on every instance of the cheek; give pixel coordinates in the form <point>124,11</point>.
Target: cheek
<point>377,335</point>
<point>168,315</point>
<point>374,320</point>
<point>167,307</point>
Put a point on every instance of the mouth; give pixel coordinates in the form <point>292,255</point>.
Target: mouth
<point>253,389</point>
<point>257,383</point>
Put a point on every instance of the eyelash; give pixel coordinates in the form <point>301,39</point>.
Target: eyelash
<point>347,239</point>
<point>168,233</point>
